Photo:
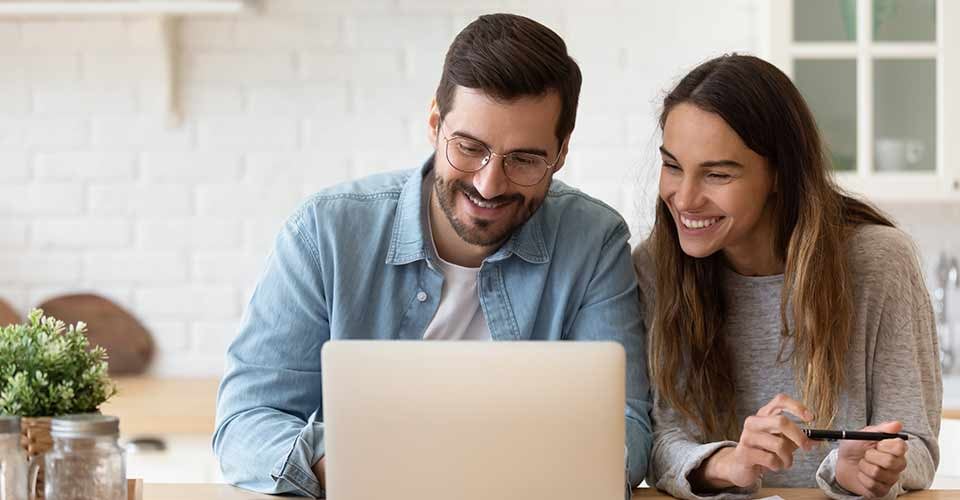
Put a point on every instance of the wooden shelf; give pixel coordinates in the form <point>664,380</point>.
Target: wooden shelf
<point>124,7</point>
<point>162,16</point>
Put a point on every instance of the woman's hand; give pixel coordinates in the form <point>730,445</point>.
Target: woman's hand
<point>869,468</point>
<point>767,442</point>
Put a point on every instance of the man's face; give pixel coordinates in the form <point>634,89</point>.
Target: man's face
<point>485,207</point>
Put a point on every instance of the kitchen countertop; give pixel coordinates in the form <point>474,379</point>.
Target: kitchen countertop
<point>149,405</point>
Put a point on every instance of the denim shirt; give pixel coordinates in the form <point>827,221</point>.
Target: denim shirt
<point>356,262</point>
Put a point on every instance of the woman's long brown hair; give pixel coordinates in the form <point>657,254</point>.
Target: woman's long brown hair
<point>690,365</point>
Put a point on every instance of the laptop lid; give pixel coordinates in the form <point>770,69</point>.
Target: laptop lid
<point>413,420</point>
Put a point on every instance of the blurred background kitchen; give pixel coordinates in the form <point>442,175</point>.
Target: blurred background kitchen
<point>150,150</point>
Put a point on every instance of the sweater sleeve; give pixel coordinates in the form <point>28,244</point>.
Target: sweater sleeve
<point>676,454</point>
<point>904,380</point>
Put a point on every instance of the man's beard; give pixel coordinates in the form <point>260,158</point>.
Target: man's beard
<point>482,232</point>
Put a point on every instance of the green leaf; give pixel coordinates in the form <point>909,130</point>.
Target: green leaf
<point>48,369</point>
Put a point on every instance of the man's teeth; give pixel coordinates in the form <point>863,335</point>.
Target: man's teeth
<point>483,203</point>
<point>698,224</point>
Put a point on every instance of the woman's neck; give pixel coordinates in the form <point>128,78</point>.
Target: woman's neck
<point>753,262</point>
<point>756,254</point>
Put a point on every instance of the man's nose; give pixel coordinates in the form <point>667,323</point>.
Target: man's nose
<point>491,180</point>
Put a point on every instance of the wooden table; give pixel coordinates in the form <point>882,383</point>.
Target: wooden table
<point>812,494</point>
<point>223,492</point>
<point>147,405</point>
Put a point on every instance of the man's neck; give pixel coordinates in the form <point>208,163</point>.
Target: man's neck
<point>450,247</point>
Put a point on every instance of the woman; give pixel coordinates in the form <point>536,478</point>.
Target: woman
<point>778,303</point>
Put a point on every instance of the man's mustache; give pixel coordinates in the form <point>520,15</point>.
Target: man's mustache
<point>471,191</point>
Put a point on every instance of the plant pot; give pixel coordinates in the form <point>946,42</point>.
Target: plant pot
<point>36,440</point>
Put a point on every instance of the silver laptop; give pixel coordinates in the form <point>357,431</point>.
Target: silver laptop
<point>410,420</point>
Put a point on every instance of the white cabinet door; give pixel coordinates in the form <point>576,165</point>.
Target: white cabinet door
<point>948,473</point>
<point>188,458</point>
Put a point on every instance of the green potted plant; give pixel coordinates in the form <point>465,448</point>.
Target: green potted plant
<point>47,369</point>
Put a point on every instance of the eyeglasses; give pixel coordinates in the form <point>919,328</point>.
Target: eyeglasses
<point>470,155</point>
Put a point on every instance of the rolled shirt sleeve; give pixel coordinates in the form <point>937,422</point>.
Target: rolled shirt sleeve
<point>268,434</point>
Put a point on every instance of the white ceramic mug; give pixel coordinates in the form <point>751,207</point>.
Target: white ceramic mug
<point>890,154</point>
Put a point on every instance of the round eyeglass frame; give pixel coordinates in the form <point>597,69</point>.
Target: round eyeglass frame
<point>490,154</point>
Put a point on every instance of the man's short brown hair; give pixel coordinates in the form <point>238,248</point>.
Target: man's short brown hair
<point>509,56</point>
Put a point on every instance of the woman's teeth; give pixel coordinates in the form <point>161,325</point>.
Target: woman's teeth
<point>698,224</point>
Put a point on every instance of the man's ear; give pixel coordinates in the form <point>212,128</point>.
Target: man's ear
<point>433,122</point>
<point>562,159</point>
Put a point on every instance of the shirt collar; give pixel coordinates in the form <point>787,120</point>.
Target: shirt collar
<point>410,241</point>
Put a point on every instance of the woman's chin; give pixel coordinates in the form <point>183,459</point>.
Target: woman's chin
<point>697,250</point>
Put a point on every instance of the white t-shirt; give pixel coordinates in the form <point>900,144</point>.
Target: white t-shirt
<point>459,315</point>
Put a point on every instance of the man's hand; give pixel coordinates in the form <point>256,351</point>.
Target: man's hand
<point>869,468</point>
<point>319,470</point>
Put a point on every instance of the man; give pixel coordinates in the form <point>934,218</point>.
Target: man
<point>479,243</point>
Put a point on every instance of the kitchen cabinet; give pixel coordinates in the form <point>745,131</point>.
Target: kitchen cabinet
<point>878,75</point>
<point>180,413</point>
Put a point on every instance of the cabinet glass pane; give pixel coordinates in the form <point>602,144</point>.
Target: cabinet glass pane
<point>830,88</point>
<point>905,116</point>
<point>904,20</point>
<point>824,20</point>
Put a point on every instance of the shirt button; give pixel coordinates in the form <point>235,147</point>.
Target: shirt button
<point>422,296</point>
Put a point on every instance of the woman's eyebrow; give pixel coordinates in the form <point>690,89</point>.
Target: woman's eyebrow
<point>721,163</point>
<point>713,163</point>
<point>668,153</point>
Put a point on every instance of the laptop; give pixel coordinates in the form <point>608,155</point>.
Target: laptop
<point>470,420</point>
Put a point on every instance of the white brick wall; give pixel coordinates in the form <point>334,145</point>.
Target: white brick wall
<point>81,233</point>
<point>97,194</point>
<point>120,167</point>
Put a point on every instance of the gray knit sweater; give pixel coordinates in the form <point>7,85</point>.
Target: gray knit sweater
<point>892,368</point>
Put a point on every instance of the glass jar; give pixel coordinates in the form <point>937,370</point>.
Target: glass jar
<point>86,462</point>
<point>13,461</point>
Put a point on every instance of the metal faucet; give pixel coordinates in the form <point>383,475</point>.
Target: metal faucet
<point>946,276</point>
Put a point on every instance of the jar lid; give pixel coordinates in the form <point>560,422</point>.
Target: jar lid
<point>84,425</point>
<point>9,424</point>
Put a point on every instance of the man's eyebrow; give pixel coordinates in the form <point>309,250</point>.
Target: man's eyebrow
<point>533,151</point>
<point>713,163</point>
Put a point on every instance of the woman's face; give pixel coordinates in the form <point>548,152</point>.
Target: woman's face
<point>717,189</point>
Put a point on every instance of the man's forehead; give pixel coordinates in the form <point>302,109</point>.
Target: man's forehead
<point>478,96</point>
<point>526,118</point>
